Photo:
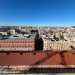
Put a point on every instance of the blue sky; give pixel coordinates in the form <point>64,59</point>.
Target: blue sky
<point>55,12</point>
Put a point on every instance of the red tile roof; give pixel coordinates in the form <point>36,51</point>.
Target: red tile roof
<point>38,58</point>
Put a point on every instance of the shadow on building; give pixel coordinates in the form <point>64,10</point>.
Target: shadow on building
<point>38,41</point>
